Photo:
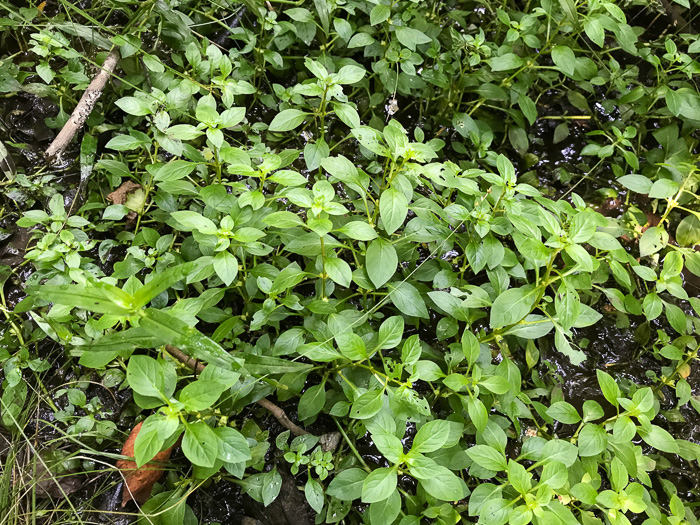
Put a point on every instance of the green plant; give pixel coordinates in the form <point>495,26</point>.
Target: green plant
<point>344,211</point>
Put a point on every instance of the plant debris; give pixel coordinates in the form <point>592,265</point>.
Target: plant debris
<point>139,481</point>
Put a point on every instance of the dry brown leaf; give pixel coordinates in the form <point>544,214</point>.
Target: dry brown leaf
<point>139,481</point>
<point>129,194</point>
<point>120,195</point>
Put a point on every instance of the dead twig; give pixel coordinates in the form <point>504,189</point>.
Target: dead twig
<point>268,405</point>
<point>83,109</point>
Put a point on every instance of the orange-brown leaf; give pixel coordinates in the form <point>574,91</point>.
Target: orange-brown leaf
<point>140,480</point>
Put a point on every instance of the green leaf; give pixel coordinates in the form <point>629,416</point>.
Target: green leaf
<point>314,494</point>
<point>393,208</point>
<point>411,350</point>
<point>564,59</point>
<point>371,139</point>
<point>160,282</point>
<point>386,511</point>
<point>658,438</point>
<point>338,270</point>
<point>165,508</point>
<point>488,457</point>
<point>232,116</point>
<point>676,317</point>
<point>174,170</point>
<point>287,278</point>
<point>263,365</point>
<point>379,14</point>
<point>554,474</point>
<point>347,484</point>
<point>351,346</point>
<point>153,63</point>
<point>609,387</point>
<point>592,410</point>
<point>98,297</point>
<point>191,220</point>
<point>528,107</point>
<point>226,267</point>
<point>358,230</point>
<point>688,231</point>
<point>290,178</point>
<point>147,443</point>
<point>367,405</point>
<point>512,306</point>
<point>125,143</point>
<point>568,7</point>
<point>431,436</point>
<point>170,330</point>
<point>579,254</point>
<point>477,413</point>
<point>496,384</point>
<point>652,240</point>
<point>349,74</point>
<point>586,493</point>
<point>379,485</point>
<point>636,183</point>
<point>505,62</point>
<point>470,347</point>
<point>104,349</point>
<point>381,261</point>
<point>287,120</point>
<point>232,446</point>
<point>558,450</point>
<point>389,445</point>
<point>408,300</point>
<point>390,333</point>
<point>360,40</point>
<point>564,412</point>
<point>592,440</point>
<point>283,219</point>
<point>663,189</point>
<point>271,486</point>
<point>410,37</point>
<point>444,485</point>
<point>314,153</point>
<point>347,114</point>
<point>200,395</point>
<point>345,171</point>
<point>684,103</point>
<point>520,478</point>
<point>135,106</point>
<point>312,401</point>
<point>595,31</point>
<point>145,376</point>
<point>200,444</point>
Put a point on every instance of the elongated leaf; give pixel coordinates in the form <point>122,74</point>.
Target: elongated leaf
<point>98,297</point>
<point>171,330</point>
<point>161,282</point>
<point>264,365</point>
<point>103,350</point>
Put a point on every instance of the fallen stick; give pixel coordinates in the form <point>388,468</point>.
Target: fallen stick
<point>83,109</point>
<point>268,405</point>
